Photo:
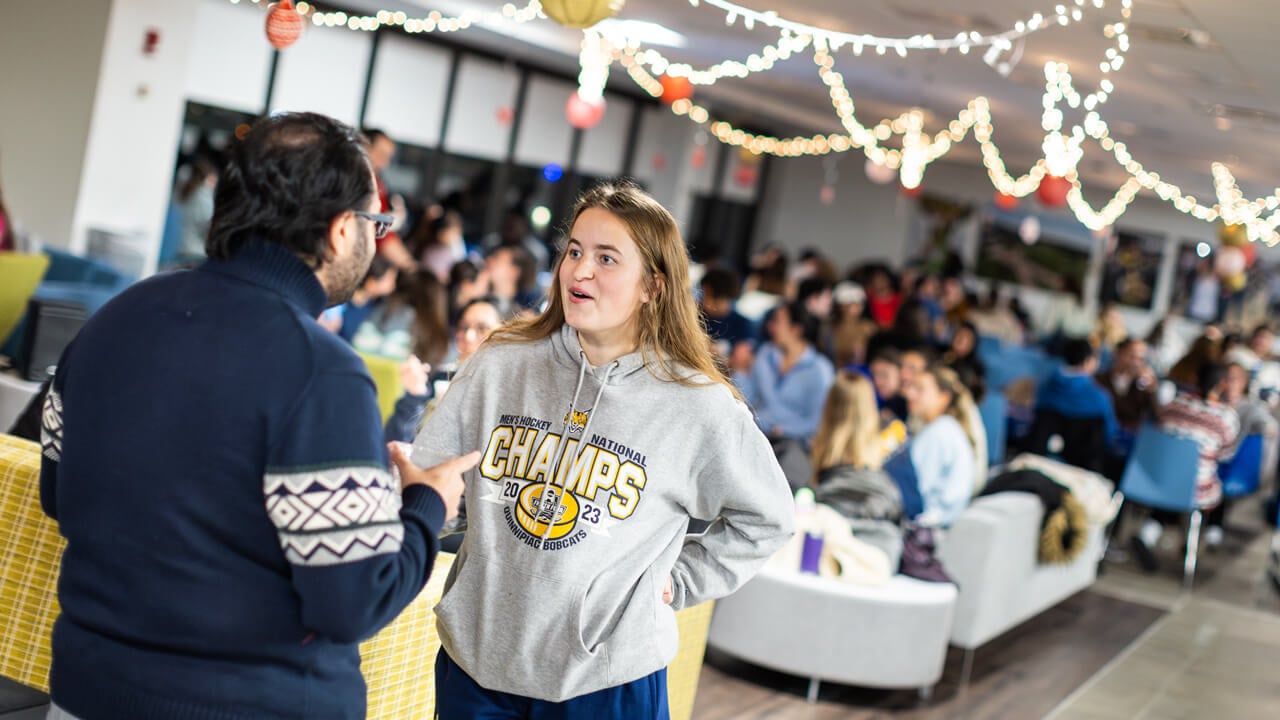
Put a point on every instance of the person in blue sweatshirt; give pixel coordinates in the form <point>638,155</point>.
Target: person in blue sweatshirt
<point>789,380</point>
<point>214,459</point>
<point>606,426</point>
<point>1073,392</point>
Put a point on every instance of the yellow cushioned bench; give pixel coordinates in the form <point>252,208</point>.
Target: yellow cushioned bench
<point>398,663</point>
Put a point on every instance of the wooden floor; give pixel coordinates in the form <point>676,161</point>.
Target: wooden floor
<point>1022,674</point>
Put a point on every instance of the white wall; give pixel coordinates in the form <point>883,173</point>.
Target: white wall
<point>43,131</point>
<point>864,222</point>
<point>604,145</point>
<point>545,134</point>
<point>324,72</point>
<point>670,138</point>
<point>229,59</point>
<point>406,99</point>
<point>137,119</point>
<point>483,88</point>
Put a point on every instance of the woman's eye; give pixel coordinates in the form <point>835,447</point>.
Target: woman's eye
<point>607,260</point>
<point>575,254</point>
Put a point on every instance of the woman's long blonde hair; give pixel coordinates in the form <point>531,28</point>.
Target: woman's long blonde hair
<point>961,407</point>
<point>672,338</point>
<point>849,432</point>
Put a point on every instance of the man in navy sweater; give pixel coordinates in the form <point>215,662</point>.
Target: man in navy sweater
<point>214,459</point>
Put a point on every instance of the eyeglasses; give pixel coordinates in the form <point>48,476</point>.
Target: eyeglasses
<point>381,222</point>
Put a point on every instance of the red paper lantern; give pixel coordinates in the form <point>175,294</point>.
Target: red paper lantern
<point>675,88</point>
<point>505,115</point>
<point>284,25</point>
<point>659,161</point>
<point>1006,202</point>
<point>911,192</point>
<point>1053,191</point>
<point>582,113</point>
<point>745,175</point>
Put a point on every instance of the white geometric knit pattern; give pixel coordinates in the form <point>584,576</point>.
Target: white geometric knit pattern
<point>339,515</point>
<point>51,426</point>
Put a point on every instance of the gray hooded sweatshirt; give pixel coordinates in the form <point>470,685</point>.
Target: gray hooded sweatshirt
<point>557,589</point>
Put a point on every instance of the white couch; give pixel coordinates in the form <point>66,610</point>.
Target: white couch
<point>891,636</point>
<point>991,553</point>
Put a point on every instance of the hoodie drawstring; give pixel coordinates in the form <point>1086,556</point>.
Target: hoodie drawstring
<point>564,444</point>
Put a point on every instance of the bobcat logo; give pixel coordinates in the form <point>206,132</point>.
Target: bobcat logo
<point>576,421</point>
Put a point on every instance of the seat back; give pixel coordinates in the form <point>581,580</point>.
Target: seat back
<point>994,410</point>
<point>30,555</point>
<point>1081,442</point>
<point>22,273</point>
<point>1161,472</point>
<point>1242,474</point>
<point>386,376</point>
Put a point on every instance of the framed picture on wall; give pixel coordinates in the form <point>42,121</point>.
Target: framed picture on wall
<point>1048,252</point>
<point>1131,268</point>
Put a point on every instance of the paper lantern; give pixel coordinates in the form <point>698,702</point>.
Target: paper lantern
<point>1029,230</point>
<point>880,174</point>
<point>580,14</point>
<point>505,115</point>
<point>582,113</point>
<point>659,161</point>
<point>827,195</point>
<point>745,175</point>
<point>1053,191</point>
<point>675,88</point>
<point>1006,202</point>
<point>1229,262</point>
<point>911,192</point>
<point>284,25</point>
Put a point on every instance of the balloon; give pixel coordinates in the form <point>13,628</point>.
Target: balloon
<point>880,174</point>
<point>582,113</point>
<point>675,88</point>
<point>1233,235</point>
<point>1053,191</point>
<point>1230,261</point>
<point>1006,202</point>
<point>1029,229</point>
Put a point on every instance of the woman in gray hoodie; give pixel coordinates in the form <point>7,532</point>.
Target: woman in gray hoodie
<point>605,427</point>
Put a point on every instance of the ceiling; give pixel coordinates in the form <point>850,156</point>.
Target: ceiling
<point>1200,83</point>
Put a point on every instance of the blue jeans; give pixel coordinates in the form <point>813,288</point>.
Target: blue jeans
<point>458,697</point>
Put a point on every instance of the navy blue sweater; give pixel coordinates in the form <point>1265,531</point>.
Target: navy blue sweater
<point>214,459</point>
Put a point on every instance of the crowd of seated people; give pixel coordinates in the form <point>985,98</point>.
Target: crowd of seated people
<point>828,363</point>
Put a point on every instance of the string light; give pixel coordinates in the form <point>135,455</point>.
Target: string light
<point>963,41</point>
<point>432,22</point>
<point>787,45</point>
<point>594,60</point>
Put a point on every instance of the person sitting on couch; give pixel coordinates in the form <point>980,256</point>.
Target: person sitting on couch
<point>935,472</point>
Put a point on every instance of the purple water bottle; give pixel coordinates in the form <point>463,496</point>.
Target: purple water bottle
<point>811,549</point>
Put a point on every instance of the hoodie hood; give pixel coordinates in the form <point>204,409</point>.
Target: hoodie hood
<point>567,351</point>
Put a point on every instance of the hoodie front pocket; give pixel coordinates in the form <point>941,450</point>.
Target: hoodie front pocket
<point>516,631</point>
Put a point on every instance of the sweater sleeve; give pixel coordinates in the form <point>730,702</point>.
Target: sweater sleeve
<point>405,417</point>
<point>743,488</point>
<point>360,549</point>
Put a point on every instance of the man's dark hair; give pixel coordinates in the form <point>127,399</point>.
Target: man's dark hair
<point>373,135</point>
<point>290,176</point>
<point>811,286</point>
<point>721,283</point>
<point>798,314</point>
<point>1210,376</point>
<point>1264,327</point>
<point>886,355</point>
<point>378,268</point>
<point>1127,343</point>
<point>1076,352</point>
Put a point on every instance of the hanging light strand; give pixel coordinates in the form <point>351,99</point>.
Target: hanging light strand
<point>434,21</point>
<point>1062,15</point>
